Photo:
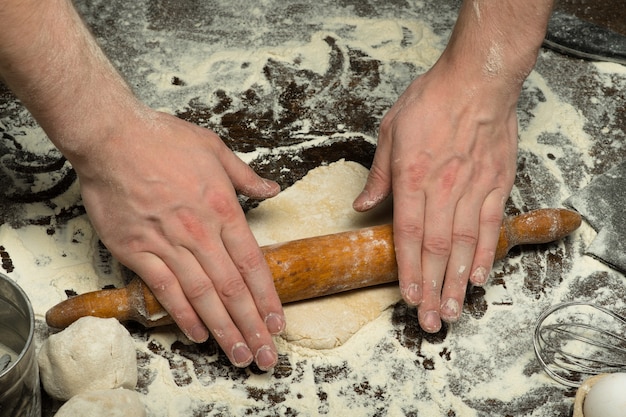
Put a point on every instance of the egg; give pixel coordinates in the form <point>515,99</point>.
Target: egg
<point>607,397</point>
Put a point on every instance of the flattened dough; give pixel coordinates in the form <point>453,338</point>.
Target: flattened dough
<point>319,204</point>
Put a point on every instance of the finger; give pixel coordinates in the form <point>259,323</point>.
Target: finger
<point>213,285</point>
<point>464,241</point>
<point>377,188</point>
<point>435,252</point>
<point>250,262</point>
<point>228,289</point>
<point>203,293</point>
<point>441,205</point>
<point>408,228</point>
<point>224,259</point>
<point>245,180</point>
<point>491,215</point>
<point>378,185</point>
<point>188,289</point>
<point>225,304</point>
<point>166,288</point>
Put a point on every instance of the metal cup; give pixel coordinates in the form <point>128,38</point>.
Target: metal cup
<point>20,394</point>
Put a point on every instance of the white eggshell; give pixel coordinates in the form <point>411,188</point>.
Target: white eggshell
<point>607,397</point>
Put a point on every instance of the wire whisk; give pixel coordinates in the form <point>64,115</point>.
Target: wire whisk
<point>576,340</point>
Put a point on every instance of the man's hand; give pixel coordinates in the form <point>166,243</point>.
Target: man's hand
<point>447,150</point>
<point>161,197</point>
<point>160,192</point>
<point>449,157</point>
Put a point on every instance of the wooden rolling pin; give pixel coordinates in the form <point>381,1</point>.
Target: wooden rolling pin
<point>313,267</point>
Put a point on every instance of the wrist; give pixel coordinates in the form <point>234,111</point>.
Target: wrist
<point>62,76</point>
<point>497,42</point>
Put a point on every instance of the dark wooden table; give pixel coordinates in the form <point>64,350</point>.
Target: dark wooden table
<point>151,40</point>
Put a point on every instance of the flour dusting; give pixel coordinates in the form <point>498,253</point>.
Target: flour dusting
<point>290,84</point>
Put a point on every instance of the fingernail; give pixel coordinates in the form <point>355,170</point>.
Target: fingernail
<point>412,294</point>
<point>450,310</point>
<point>275,323</point>
<point>479,277</point>
<point>367,202</point>
<point>242,356</point>
<point>198,334</point>
<point>431,322</point>
<point>265,358</point>
<point>358,202</point>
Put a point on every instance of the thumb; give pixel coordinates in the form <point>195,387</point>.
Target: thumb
<point>246,181</point>
<point>378,185</point>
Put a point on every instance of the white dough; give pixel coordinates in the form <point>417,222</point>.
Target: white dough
<point>91,354</point>
<point>104,403</point>
<point>329,322</point>
<point>319,204</point>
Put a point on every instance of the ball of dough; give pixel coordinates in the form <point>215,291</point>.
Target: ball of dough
<point>105,403</point>
<point>91,354</point>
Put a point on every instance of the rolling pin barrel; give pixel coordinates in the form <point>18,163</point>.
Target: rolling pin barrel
<point>333,264</point>
<point>314,267</point>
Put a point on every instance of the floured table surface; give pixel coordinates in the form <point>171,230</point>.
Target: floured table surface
<point>606,13</point>
<point>291,86</point>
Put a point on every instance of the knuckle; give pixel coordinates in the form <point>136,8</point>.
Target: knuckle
<point>409,231</point>
<point>223,204</point>
<point>250,262</point>
<point>132,243</point>
<point>455,174</point>
<point>180,314</point>
<point>438,246</point>
<point>192,225</point>
<point>377,174</point>
<point>199,289</point>
<point>416,173</point>
<point>385,126</point>
<point>492,219</point>
<point>232,289</point>
<point>449,177</point>
<point>465,238</point>
<point>160,283</point>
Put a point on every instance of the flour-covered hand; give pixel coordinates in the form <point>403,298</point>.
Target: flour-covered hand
<point>447,151</point>
<point>160,192</point>
<point>162,197</point>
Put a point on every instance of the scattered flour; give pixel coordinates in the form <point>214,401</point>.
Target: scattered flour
<point>485,359</point>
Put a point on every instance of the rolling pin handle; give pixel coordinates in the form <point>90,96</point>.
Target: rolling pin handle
<point>108,303</point>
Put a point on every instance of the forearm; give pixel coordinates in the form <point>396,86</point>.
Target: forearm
<point>53,64</point>
<point>498,40</point>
